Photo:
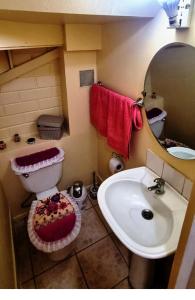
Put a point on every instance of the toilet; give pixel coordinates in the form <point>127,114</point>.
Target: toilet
<point>54,219</point>
<point>156,119</point>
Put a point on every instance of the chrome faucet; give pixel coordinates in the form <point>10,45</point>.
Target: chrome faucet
<point>158,187</point>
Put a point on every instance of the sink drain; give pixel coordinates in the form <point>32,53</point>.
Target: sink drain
<point>147,214</point>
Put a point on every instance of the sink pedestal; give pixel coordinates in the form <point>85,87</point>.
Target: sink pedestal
<point>141,272</point>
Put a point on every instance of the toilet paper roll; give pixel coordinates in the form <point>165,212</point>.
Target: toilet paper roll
<point>115,165</point>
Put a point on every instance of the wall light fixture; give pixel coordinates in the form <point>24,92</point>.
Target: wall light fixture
<point>179,12</point>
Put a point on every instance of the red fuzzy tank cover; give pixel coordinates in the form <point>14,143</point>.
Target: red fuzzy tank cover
<point>37,157</point>
<point>54,218</point>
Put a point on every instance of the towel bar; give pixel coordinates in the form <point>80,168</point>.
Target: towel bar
<point>139,101</point>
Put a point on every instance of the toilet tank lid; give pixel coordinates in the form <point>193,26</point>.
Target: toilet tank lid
<point>35,161</point>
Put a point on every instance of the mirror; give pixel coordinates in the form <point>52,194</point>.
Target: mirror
<point>170,99</point>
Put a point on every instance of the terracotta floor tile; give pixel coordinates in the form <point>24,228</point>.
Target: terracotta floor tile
<point>20,230</point>
<point>124,250</point>
<point>28,285</point>
<point>40,261</point>
<point>87,204</point>
<point>22,244</point>
<point>91,230</point>
<point>94,202</point>
<point>98,210</point>
<point>123,285</point>
<point>103,264</point>
<point>66,275</point>
<point>24,268</point>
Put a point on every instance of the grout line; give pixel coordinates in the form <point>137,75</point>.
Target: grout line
<point>56,264</point>
<point>25,281</point>
<point>35,283</point>
<point>82,272</point>
<point>102,221</point>
<point>119,249</point>
<point>30,258</point>
<point>120,282</point>
<point>79,251</point>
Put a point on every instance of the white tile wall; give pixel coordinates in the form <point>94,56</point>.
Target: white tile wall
<point>187,189</point>
<point>179,182</point>
<point>24,99</point>
<point>154,162</point>
<point>173,177</point>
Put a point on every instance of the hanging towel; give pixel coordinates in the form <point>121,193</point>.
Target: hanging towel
<point>99,108</point>
<point>123,116</point>
<point>114,116</point>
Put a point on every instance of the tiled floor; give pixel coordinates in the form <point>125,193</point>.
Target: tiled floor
<point>99,260</point>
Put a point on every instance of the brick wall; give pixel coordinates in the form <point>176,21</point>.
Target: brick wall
<point>24,99</point>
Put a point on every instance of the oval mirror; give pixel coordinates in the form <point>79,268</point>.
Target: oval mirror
<point>170,99</point>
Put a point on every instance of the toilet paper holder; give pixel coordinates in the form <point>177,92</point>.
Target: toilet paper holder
<point>116,155</point>
<point>116,163</point>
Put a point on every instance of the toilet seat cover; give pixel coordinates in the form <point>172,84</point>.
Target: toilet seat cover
<point>54,222</point>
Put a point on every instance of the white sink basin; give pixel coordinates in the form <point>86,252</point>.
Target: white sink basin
<point>122,199</point>
<point>182,152</point>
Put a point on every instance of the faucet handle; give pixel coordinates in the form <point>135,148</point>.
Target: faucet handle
<point>159,181</point>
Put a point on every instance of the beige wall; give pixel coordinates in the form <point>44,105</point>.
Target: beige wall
<point>25,98</point>
<point>7,260</point>
<point>172,76</point>
<point>128,49</point>
<point>80,146</point>
<point>83,37</point>
<point>22,35</point>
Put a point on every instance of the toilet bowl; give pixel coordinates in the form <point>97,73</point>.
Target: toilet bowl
<point>54,219</point>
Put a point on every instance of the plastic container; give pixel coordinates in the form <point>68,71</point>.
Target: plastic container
<point>79,193</point>
<point>50,127</point>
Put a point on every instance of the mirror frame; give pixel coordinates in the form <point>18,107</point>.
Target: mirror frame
<point>144,95</point>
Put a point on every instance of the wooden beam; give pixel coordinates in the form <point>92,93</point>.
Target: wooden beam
<point>17,35</point>
<point>28,66</point>
<point>9,54</point>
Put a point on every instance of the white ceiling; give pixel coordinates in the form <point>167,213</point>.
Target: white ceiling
<point>76,11</point>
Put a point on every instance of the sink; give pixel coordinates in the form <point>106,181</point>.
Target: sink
<point>182,152</point>
<point>146,223</point>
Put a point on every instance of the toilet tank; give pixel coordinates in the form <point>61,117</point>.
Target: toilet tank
<point>156,119</point>
<point>39,171</point>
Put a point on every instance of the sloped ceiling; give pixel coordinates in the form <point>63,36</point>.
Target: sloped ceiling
<point>77,11</point>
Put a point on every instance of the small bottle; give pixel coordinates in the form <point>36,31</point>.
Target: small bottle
<point>2,145</point>
<point>153,96</point>
<point>17,138</point>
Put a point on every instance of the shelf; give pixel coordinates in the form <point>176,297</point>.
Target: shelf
<point>28,148</point>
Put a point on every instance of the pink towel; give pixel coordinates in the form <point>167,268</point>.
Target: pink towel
<point>99,108</point>
<point>114,116</point>
<point>123,116</point>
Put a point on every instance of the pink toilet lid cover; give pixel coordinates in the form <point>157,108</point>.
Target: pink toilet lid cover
<point>54,218</point>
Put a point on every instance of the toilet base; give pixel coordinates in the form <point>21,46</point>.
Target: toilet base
<point>62,253</point>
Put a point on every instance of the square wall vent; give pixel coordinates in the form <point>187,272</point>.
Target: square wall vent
<point>86,77</point>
